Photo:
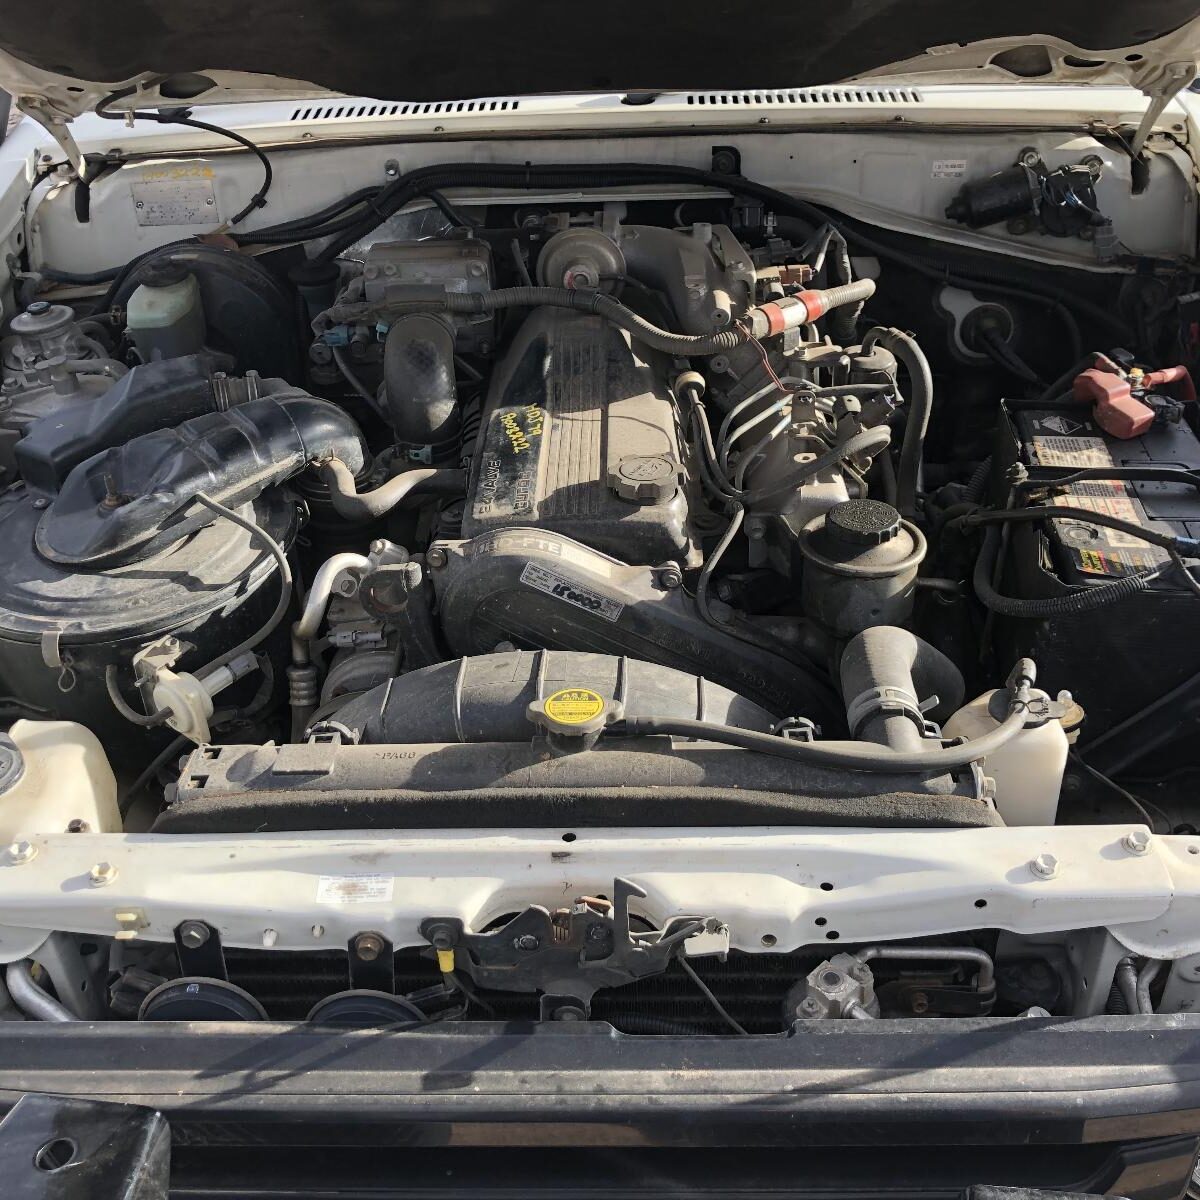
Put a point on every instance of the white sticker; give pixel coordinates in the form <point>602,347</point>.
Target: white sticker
<point>568,590</point>
<point>948,168</point>
<point>354,889</point>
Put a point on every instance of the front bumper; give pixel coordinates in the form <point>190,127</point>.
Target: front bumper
<point>1095,1105</point>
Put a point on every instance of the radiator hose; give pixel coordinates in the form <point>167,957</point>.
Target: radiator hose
<point>886,675</point>
<point>853,756</point>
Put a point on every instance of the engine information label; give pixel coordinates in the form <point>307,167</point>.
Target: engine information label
<point>354,889</point>
<point>507,486</point>
<point>176,195</point>
<point>569,592</point>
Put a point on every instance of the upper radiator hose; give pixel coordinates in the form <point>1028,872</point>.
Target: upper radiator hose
<point>128,502</point>
<point>887,674</point>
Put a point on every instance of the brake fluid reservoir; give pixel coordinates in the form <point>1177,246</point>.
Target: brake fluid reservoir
<point>164,316</point>
<point>51,774</point>
<point>1028,770</point>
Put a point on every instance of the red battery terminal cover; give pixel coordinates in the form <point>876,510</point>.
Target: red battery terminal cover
<point>1116,395</point>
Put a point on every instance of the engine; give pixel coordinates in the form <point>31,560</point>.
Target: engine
<point>574,516</point>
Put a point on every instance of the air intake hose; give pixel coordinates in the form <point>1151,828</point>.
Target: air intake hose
<point>418,383</point>
<point>124,504</point>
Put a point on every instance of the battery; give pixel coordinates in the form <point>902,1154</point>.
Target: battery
<point>1118,659</point>
<point>1065,439</point>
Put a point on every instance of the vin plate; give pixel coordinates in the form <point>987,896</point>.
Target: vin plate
<point>570,592</point>
<point>175,196</point>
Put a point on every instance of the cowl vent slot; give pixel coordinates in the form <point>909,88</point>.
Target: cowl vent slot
<point>807,96</point>
<point>440,108</point>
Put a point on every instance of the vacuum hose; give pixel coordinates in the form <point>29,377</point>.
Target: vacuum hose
<point>763,321</point>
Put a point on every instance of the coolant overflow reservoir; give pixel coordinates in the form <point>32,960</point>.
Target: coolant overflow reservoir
<point>1028,771</point>
<point>55,777</point>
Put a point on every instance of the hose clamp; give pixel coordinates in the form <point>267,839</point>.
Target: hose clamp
<point>886,700</point>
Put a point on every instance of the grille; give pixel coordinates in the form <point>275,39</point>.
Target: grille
<point>752,988</point>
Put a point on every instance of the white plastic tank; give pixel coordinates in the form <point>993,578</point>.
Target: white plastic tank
<point>53,773</point>
<point>1028,771</point>
<point>164,316</point>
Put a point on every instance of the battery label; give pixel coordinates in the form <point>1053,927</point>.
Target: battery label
<point>1094,549</point>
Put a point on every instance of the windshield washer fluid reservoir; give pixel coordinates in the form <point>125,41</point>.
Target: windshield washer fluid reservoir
<point>1028,770</point>
<point>53,773</point>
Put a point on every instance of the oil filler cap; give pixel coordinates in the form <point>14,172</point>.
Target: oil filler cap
<point>862,523</point>
<point>645,478</point>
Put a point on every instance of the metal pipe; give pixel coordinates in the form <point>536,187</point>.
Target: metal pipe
<point>316,602</point>
<point>30,998</point>
<point>966,954</point>
<point>1146,976</point>
<point>361,507</point>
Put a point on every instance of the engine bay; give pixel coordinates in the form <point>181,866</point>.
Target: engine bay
<point>793,580</point>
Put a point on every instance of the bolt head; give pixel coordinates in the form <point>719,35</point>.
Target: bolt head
<point>671,579</point>
<point>526,942</point>
<point>193,934</point>
<point>436,557</point>
<point>809,1005</point>
<point>1045,866</point>
<point>78,825</point>
<point>1136,841</point>
<point>368,947</point>
<point>102,874</point>
<point>21,852</point>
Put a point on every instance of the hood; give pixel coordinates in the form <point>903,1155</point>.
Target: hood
<point>63,59</point>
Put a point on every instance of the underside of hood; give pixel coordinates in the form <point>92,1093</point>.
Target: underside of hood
<point>63,59</point>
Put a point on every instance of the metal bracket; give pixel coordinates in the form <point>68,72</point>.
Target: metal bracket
<point>567,955</point>
<point>372,962</point>
<point>198,945</point>
<point>52,1146</point>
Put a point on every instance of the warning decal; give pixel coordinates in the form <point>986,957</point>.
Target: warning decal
<point>1059,440</point>
<point>574,706</point>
